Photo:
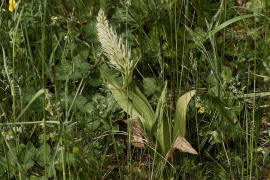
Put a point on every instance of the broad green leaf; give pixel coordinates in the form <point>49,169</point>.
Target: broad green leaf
<point>63,70</point>
<point>139,93</point>
<point>40,154</point>
<point>131,102</point>
<point>109,78</point>
<point>88,108</point>
<point>28,155</point>
<point>134,106</point>
<point>149,86</point>
<point>180,115</point>
<point>161,102</point>
<point>79,102</point>
<point>80,66</point>
<point>94,125</point>
<point>163,133</point>
<point>13,159</point>
<point>226,73</point>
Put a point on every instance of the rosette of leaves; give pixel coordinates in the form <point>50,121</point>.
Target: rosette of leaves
<point>132,100</point>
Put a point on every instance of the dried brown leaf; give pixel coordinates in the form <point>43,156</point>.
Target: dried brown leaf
<point>182,145</point>
<point>137,133</point>
<point>241,2</point>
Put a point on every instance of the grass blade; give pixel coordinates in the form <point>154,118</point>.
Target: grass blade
<point>39,93</point>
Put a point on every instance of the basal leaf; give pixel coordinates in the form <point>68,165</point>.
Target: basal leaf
<point>180,115</point>
<point>163,132</point>
<point>131,102</point>
<point>134,106</point>
<point>140,94</point>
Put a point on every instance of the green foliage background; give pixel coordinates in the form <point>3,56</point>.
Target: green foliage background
<point>73,130</point>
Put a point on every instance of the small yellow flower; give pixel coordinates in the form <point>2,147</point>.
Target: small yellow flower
<point>202,110</point>
<point>12,5</point>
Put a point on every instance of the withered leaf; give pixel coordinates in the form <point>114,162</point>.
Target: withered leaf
<point>240,2</point>
<point>137,133</point>
<point>182,145</point>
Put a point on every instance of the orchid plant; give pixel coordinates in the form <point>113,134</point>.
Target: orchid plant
<point>132,100</point>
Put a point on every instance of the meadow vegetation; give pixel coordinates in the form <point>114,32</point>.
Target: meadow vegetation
<point>135,89</point>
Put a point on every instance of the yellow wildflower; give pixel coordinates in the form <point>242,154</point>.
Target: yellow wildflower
<point>202,110</point>
<point>12,5</point>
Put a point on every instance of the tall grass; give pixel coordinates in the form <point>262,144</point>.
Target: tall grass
<point>60,119</point>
